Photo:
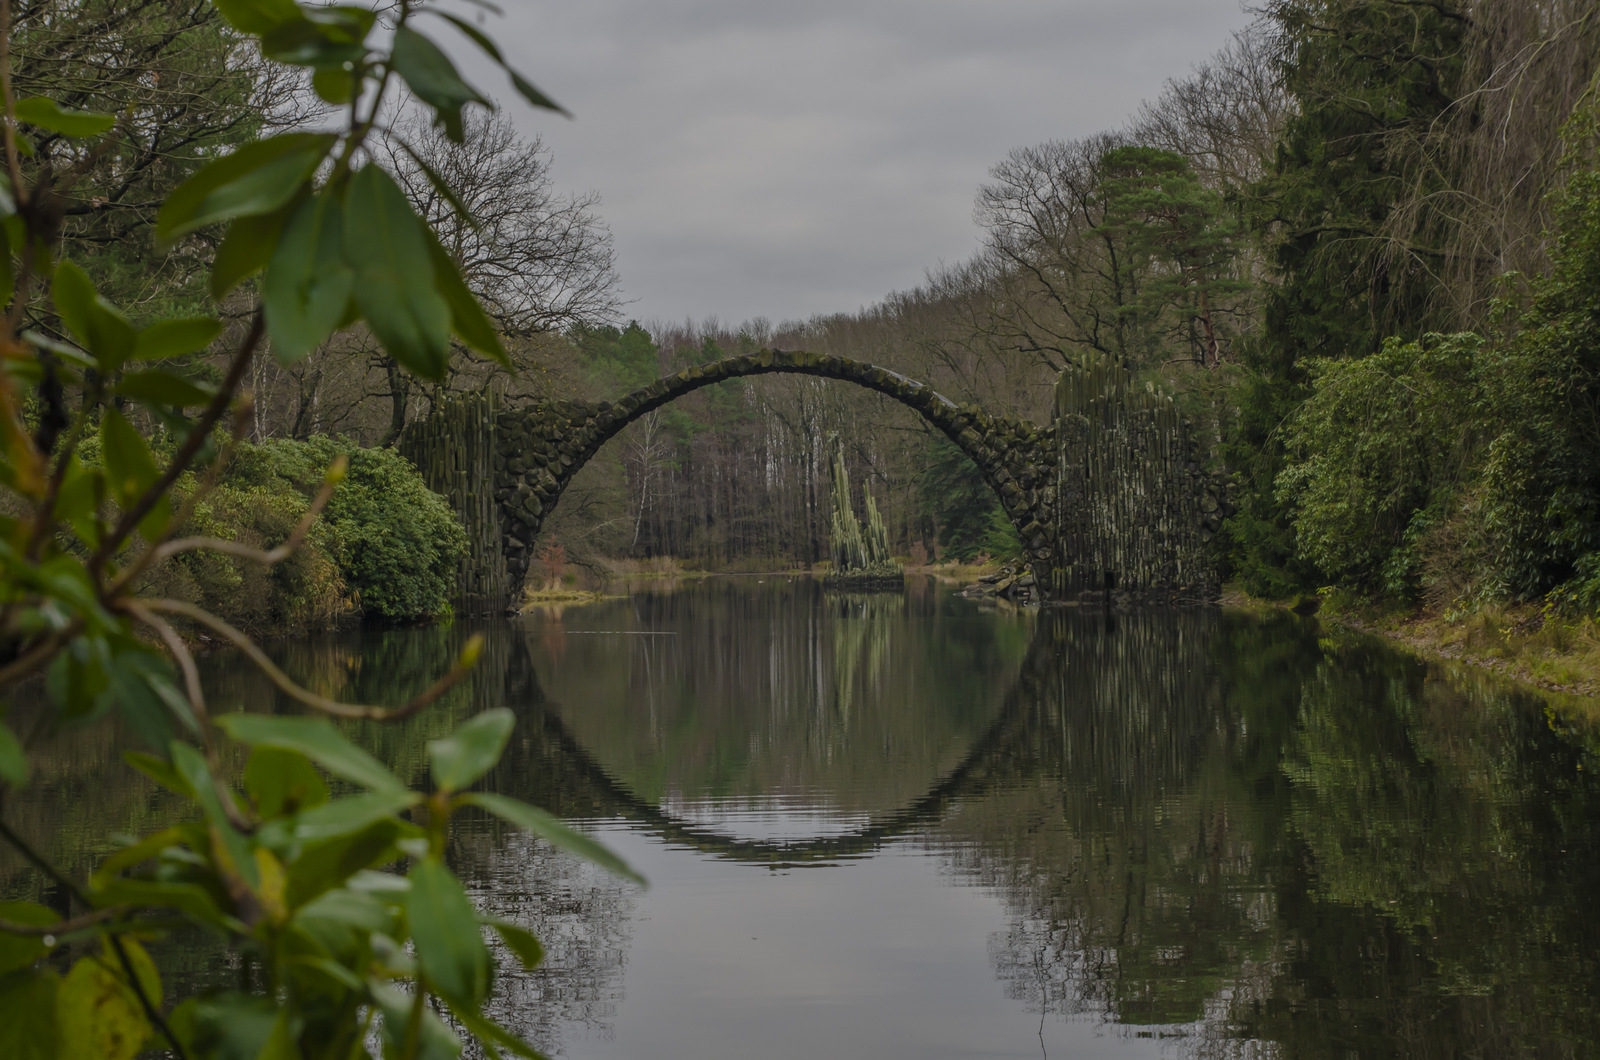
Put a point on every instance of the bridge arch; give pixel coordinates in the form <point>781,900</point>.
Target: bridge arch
<point>1112,494</point>
<point>530,454</point>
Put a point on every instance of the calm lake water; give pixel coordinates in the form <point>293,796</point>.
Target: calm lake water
<point>887,826</point>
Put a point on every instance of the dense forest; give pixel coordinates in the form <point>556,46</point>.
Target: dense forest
<point>1359,244</point>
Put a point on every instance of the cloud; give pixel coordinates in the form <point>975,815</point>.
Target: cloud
<point>788,158</point>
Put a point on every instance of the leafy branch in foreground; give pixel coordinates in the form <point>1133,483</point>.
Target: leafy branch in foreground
<point>296,880</point>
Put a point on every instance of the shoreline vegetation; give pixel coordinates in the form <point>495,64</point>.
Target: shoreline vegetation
<point>1530,645</point>
<point>600,581</point>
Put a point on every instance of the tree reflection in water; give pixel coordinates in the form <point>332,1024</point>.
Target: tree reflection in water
<point>1252,833</point>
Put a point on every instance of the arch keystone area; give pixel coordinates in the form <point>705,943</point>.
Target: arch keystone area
<point>1109,494</point>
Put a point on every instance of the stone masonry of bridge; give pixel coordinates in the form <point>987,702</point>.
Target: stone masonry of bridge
<point>505,469</point>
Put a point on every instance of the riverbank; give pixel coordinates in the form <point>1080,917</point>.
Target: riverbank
<point>1521,642</point>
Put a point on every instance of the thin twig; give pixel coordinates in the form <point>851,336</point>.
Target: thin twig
<point>186,453</point>
<point>40,654</point>
<point>197,703</point>
<point>208,482</point>
<point>285,684</point>
<point>64,927</point>
<point>62,880</point>
<point>180,652</point>
<point>271,556</point>
<point>151,1013</point>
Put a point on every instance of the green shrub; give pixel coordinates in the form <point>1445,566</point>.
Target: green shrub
<point>307,591</point>
<point>304,592</point>
<point>1464,462</point>
<point>1378,454</point>
<point>397,543</point>
<point>1542,479</point>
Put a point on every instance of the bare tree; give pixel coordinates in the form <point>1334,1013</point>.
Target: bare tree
<point>1225,117</point>
<point>541,259</point>
<point>1053,280</point>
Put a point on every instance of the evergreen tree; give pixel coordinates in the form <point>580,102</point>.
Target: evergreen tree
<point>1369,79</point>
<point>1179,231</point>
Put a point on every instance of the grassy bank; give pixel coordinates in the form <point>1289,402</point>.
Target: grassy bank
<point>1524,642</point>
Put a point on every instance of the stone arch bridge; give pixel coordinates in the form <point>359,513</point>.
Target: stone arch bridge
<point>1109,497</point>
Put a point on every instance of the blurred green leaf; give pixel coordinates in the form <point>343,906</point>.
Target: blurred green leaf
<point>258,16</point>
<point>191,765</point>
<point>243,1027</point>
<point>323,866</point>
<point>74,357</point>
<point>523,86</point>
<point>130,470</point>
<point>143,850</point>
<point>434,79</point>
<point>141,686</point>
<point>333,973</point>
<point>467,317</point>
<point>158,387</point>
<point>49,115</point>
<point>13,758</point>
<point>318,740</point>
<point>158,770</point>
<point>19,951</point>
<point>77,676</point>
<point>190,899</point>
<point>352,813</point>
<point>76,497</point>
<point>307,284</point>
<point>520,941</point>
<point>341,920</point>
<point>98,325</point>
<point>334,85</point>
<point>386,244</point>
<point>541,824</point>
<point>436,1040</point>
<point>130,467</point>
<point>28,1015</point>
<point>100,1015</point>
<point>327,38</point>
<point>173,338</point>
<point>258,178</point>
<point>281,781</point>
<point>302,43</point>
<point>247,247</point>
<point>528,91</point>
<point>444,928</point>
<point>471,751</point>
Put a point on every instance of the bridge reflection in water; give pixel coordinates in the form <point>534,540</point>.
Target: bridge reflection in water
<point>1228,828</point>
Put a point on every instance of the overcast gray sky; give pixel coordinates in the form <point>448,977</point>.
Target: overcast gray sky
<point>782,158</point>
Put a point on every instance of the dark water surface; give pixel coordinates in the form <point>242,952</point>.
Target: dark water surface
<point>908,826</point>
